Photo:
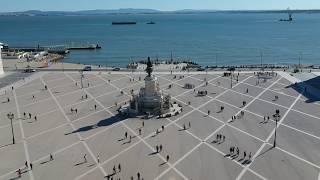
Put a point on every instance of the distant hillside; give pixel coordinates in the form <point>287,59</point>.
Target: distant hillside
<point>141,11</point>
<point>79,13</point>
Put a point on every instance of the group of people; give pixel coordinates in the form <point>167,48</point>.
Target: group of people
<point>84,97</point>
<point>29,115</point>
<point>235,153</point>
<point>220,138</point>
<point>27,165</point>
<point>114,172</point>
<point>184,126</point>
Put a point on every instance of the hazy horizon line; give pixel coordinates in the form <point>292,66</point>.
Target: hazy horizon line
<point>159,10</point>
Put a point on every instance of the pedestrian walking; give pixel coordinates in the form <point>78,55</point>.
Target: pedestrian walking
<point>157,148</point>
<point>189,124</point>
<point>98,158</point>
<point>86,96</point>
<point>95,107</point>
<point>244,154</point>
<point>138,175</point>
<point>139,132</point>
<point>184,127</point>
<point>114,169</point>
<point>19,173</point>
<point>31,166</point>
<point>35,118</point>
<point>160,148</point>
<point>126,135</point>
<point>167,158</point>
<point>119,167</point>
<point>30,115</point>
<point>26,164</point>
<point>162,127</point>
<point>51,157</point>
<point>142,123</point>
<point>24,114</point>
<point>85,158</point>
<point>208,112</point>
<point>46,87</point>
<point>76,111</point>
<point>32,96</point>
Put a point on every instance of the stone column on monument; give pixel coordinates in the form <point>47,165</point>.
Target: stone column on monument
<point>1,64</point>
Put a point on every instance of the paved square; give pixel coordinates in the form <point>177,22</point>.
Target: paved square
<point>81,129</point>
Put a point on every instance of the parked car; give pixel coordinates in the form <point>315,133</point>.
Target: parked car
<point>29,70</point>
<point>116,69</point>
<point>87,68</point>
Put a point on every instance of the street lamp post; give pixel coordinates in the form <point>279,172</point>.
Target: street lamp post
<point>11,117</point>
<point>81,79</point>
<point>276,118</point>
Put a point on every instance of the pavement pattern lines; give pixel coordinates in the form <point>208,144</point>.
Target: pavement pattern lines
<point>179,165</point>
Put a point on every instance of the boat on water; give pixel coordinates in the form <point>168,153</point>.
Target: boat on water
<point>289,16</point>
<point>124,23</point>
<point>83,47</point>
<point>151,22</point>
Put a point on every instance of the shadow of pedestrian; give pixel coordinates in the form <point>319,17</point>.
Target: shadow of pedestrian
<point>214,141</point>
<point>44,162</point>
<point>153,153</point>
<point>246,162</point>
<point>91,165</point>
<point>121,139</point>
<point>126,142</point>
<point>162,163</point>
<point>78,164</point>
<point>227,155</point>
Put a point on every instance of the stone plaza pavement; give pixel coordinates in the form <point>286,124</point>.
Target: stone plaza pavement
<point>87,144</point>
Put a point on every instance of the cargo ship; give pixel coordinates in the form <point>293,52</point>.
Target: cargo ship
<point>124,23</point>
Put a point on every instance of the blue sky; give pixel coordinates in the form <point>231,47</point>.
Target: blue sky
<point>71,5</point>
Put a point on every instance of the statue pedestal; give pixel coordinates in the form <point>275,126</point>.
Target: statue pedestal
<point>151,86</point>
